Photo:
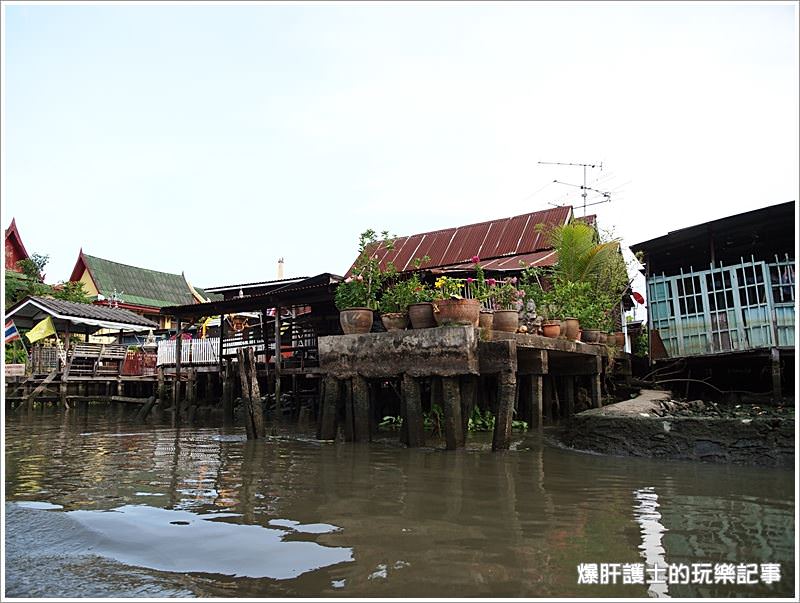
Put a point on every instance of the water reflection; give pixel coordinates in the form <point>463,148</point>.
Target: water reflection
<point>648,517</point>
<point>415,523</point>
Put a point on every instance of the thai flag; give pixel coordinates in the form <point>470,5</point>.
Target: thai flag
<point>11,331</point>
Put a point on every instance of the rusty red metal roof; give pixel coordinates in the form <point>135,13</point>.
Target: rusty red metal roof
<point>505,240</point>
<point>548,257</point>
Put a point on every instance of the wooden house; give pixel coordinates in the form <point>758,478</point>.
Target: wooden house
<point>724,290</point>
<point>139,290</point>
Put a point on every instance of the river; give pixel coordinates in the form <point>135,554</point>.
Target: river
<point>98,505</point>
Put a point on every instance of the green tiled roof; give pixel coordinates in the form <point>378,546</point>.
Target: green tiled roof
<point>141,286</point>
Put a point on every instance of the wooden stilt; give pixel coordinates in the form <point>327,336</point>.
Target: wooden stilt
<point>360,409</point>
<point>278,406</point>
<point>536,387</point>
<point>227,393</point>
<point>775,363</point>
<point>256,410</point>
<point>507,382</point>
<point>453,430</point>
<point>348,410</point>
<point>469,392</point>
<point>246,399</point>
<point>176,389</point>
<point>597,392</point>
<point>330,397</point>
<point>569,395</point>
<point>413,425</point>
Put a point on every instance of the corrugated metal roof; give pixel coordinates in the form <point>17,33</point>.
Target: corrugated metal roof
<point>516,236</point>
<point>90,311</point>
<point>512,262</point>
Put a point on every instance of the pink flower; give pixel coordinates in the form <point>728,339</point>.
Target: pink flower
<point>513,280</point>
<point>359,278</point>
<point>475,259</point>
<point>491,282</point>
<point>348,280</point>
<point>470,279</point>
<point>520,293</point>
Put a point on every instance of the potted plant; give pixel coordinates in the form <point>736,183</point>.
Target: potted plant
<point>356,297</point>
<point>507,301</point>
<point>420,308</point>
<point>394,304</point>
<point>480,291</point>
<point>450,306</point>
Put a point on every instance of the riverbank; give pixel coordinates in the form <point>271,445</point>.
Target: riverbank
<point>653,425</point>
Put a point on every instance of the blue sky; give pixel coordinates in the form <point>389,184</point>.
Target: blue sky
<point>215,139</point>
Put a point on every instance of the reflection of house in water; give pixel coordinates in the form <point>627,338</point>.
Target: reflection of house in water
<point>721,295</point>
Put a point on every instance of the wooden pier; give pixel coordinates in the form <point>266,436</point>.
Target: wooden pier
<point>530,375</point>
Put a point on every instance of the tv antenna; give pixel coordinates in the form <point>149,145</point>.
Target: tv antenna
<point>606,195</point>
<point>584,187</point>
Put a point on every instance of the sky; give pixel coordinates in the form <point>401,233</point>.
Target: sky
<point>214,139</point>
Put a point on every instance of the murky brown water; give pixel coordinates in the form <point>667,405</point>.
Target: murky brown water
<point>97,505</point>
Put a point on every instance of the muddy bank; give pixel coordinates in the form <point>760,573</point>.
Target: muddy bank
<point>653,426</point>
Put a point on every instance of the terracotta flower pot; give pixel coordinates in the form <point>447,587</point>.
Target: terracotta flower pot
<point>355,320</point>
<point>421,315</point>
<point>562,328</point>
<point>457,311</point>
<point>394,321</point>
<point>486,319</point>
<point>619,339</point>
<point>506,320</point>
<point>571,328</point>
<point>551,328</point>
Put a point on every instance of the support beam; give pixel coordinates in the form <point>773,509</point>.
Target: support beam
<point>330,397</point>
<point>348,410</point>
<point>597,391</point>
<point>569,395</point>
<point>248,423</point>
<point>412,415</point>
<point>507,383</point>
<point>255,408</point>
<point>453,431</point>
<point>360,409</point>
<point>775,362</point>
<point>469,392</point>
<point>227,393</point>
<point>176,389</point>
<point>278,409</point>
<point>536,394</point>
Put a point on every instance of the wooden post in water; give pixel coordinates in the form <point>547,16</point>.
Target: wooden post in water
<point>597,390</point>
<point>775,364</point>
<point>360,409</point>
<point>569,396</point>
<point>227,394</point>
<point>246,400</point>
<point>536,387</point>
<point>330,396</point>
<point>278,409</point>
<point>161,393</point>
<point>256,410</point>
<point>176,388</point>
<point>469,391</point>
<point>348,410</point>
<point>453,432</point>
<point>507,383</point>
<point>414,427</point>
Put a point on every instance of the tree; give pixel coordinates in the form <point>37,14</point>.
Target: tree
<point>30,281</point>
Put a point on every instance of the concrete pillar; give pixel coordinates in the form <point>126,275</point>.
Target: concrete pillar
<point>507,383</point>
<point>453,430</point>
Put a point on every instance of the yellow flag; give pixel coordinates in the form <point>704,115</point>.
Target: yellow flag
<point>42,329</point>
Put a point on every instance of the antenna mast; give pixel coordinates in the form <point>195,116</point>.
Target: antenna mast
<point>584,166</point>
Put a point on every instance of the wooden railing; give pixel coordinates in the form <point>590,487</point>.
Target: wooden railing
<point>193,351</point>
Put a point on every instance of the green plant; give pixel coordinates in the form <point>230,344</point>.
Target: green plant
<point>15,353</point>
<point>449,288</point>
<point>519,424</point>
<point>390,422</point>
<point>398,296</point>
<point>506,296</point>
<point>433,420</point>
<point>480,420</point>
<point>361,287</point>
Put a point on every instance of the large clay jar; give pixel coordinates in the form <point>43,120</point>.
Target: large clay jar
<point>355,320</point>
<point>506,320</point>
<point>591,335</point>
<point>457,311</point>
<point>421,315</point>
<point>619,339</point>
<point>394,321</point>
<point>551,328</point>
<point>486,319</point>
<point>571,328</point>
